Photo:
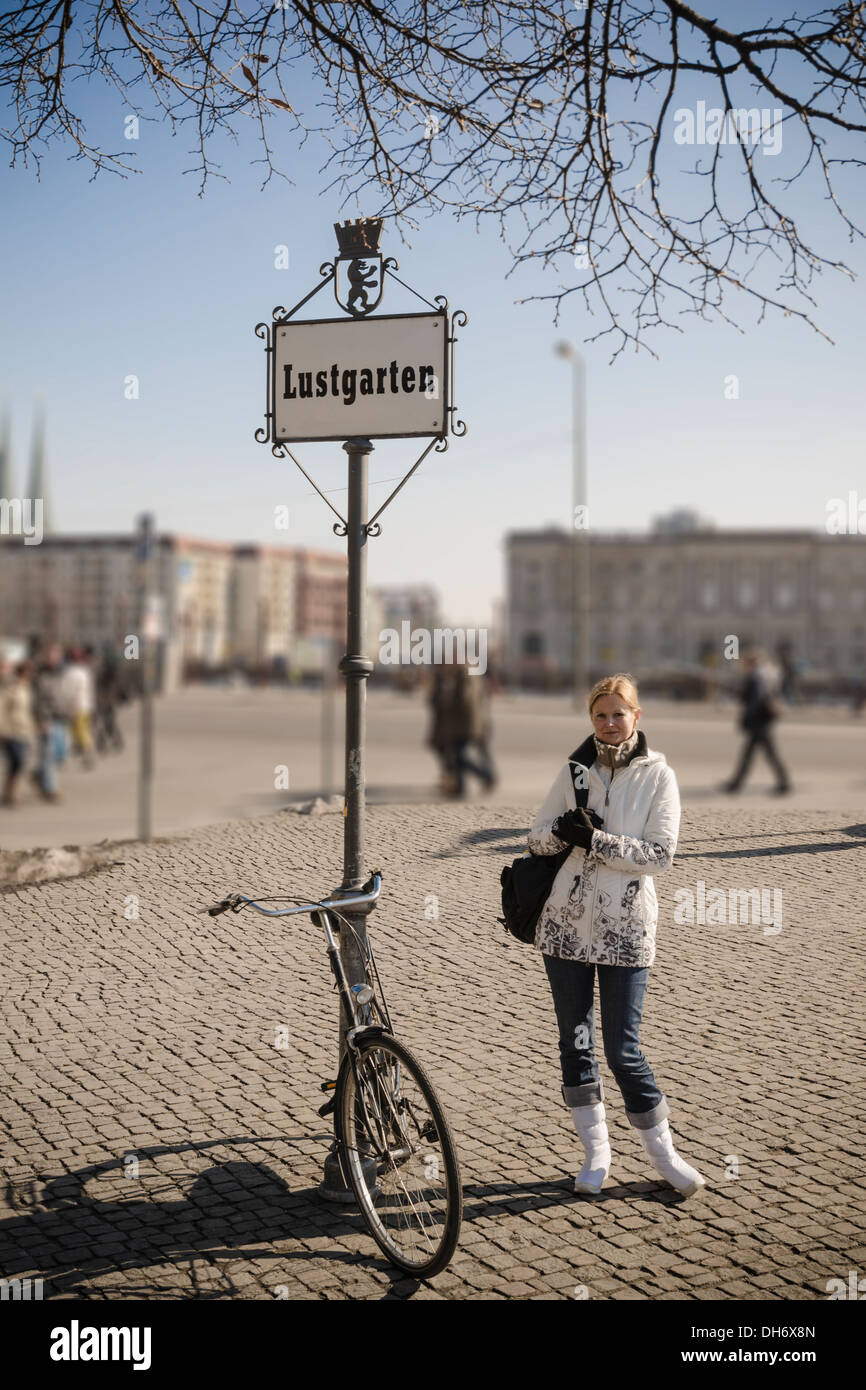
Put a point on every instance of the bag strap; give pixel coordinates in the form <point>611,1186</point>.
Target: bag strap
<point>583,756</point>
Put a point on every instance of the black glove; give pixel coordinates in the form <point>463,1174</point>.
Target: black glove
<point>576,827</point>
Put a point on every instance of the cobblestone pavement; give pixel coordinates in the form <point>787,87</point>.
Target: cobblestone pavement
<point>149,1045</point>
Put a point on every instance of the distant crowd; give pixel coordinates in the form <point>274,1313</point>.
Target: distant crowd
<point>56,704</point>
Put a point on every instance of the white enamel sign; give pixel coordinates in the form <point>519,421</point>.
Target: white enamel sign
<point>373,378</point>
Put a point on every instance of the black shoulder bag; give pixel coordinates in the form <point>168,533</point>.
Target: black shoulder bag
<point>527,881</point>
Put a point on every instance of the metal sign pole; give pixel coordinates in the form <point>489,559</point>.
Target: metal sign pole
<point>145,772</point>
<point>356,667</point>
<point>394,380</point>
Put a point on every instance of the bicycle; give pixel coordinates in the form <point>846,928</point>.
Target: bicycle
<point>392,1139</point>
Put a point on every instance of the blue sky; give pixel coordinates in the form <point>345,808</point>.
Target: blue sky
<point>141,276</point>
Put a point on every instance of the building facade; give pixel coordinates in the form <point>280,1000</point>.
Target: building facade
<point>263,608</point>
<point>670,601</point>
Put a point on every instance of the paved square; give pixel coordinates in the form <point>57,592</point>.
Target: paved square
<point>160,1145</point>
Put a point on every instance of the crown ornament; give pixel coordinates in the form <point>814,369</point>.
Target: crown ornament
<point>359,237</point>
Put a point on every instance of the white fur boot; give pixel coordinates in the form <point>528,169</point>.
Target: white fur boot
<point>659,1144</point>
<point>590,1124</point>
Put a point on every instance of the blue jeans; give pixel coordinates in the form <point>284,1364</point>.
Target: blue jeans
<point>621,990</point>
<point>52,754</point>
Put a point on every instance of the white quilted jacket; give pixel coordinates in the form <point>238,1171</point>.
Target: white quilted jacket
<point>603,907</point>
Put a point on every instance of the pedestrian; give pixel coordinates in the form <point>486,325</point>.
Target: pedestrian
<point>107,683</point>
<point>17,727</point>
<point>77,695</point>
<point>52,740</point>
<point>760,700</point>
<point>440,737</point>
<point>485,697</point>
<point>460,730</point>
<point>617,805</point>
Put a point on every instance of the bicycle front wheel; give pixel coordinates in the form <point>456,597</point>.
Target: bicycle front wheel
<point>387,1111</point>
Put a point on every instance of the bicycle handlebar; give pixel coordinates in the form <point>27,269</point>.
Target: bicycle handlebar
<point>350,897</point>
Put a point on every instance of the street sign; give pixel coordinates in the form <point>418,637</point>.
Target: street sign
<point>371,378</point>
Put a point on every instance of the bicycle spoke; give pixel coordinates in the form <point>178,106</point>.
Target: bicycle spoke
<point>391,1113</point>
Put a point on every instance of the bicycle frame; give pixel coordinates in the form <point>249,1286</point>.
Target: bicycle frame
<point>325,914</point>
<point>380,1124</point>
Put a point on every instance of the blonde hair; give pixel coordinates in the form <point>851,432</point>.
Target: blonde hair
<point>622,684</point>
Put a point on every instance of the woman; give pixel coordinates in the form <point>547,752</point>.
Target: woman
<point>17,727</point>
<point>617,805</point>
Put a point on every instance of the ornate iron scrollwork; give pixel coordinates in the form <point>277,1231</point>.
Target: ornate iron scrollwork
<point>263,433</point>
<point>459,319</point>
<point>365,271</point>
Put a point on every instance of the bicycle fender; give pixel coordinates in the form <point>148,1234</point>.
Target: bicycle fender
<point>356,1037</point>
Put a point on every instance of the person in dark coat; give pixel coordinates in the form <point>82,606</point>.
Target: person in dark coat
<point>459,723</point>
<point>106,732</point>
<point>759,698</point>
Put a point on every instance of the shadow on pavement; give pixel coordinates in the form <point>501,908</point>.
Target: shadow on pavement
<point>769,851</point>
<point>491,839</point>
<point>231,1211</point>
<point>515,1198</point>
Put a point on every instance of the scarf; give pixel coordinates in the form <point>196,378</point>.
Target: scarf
<point>610,755</point>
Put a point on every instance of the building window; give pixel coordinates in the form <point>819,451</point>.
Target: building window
<point>533,644</point>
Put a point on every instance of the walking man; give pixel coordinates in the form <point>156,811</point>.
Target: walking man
<point>759,697</point>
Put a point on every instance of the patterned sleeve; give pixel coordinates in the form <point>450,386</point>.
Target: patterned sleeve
<point>541,839</point>
<point>653,852</point>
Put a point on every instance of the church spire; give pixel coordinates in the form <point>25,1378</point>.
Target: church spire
<point>7,485</point>
<point>38,486</point>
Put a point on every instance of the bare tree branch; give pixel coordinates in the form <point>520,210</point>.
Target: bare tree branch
<point>568,124</point>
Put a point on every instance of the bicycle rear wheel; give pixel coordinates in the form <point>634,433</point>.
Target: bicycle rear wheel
<point>387,1110</point>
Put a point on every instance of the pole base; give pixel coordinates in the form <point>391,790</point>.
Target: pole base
<point>332,1187</point>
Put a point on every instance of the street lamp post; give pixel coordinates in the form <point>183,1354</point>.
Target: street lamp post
<point>580,523</point>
